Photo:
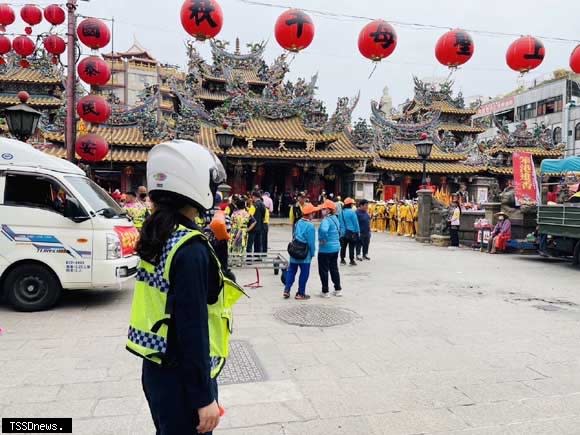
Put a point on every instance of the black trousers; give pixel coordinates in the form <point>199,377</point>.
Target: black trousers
<point>168,403</point>
<point>328,263</point>
<point>265,238</point>
<point>343,245</point>
<point>454,233</point>
<point>363,245</point>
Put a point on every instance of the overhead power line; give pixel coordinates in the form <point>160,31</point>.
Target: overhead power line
<point>342,17</point>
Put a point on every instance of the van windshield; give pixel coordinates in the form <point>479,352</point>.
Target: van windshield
<point>98,199</point>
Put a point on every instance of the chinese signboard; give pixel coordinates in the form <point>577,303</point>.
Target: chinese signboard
<point>496,106</point>
<point>525,180</point>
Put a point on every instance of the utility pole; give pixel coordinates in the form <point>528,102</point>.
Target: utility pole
<point>70,129</point>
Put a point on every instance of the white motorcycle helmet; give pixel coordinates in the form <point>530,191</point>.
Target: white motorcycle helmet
<point>186,168</point>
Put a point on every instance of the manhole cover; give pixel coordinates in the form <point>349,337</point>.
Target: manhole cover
<point>315,315</point>
<point>242,367</point>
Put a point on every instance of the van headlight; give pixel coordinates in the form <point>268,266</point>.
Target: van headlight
<point>113,247</point>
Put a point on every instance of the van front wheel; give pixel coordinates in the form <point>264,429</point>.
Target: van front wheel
<point>32,287</point>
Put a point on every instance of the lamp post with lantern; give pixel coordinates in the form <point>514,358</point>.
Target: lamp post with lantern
<point>22,119</point>
<point>225,140</point>
<point>424,148</point>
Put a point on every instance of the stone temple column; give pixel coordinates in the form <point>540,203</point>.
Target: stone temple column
<point>425,206</point>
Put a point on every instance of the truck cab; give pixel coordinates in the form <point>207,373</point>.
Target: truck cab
<point>559,224</point>
<point>58,230</point>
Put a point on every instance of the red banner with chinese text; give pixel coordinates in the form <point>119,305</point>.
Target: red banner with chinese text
<point>525,180</point>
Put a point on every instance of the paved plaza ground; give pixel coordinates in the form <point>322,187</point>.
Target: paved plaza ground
<point>439,341</point>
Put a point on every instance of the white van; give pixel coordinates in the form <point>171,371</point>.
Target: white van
<point>58,230</point>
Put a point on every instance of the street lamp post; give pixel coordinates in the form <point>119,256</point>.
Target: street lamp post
<point>225,141</point>
<point>22,119</point>
<point>424,148</point>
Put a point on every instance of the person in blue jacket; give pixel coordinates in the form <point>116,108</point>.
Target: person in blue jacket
<point>351,233</point>
<point>328,249</point>
<point>305,233</point>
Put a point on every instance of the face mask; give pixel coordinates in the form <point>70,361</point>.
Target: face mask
<point>143,195</point>
<point>501,218</point>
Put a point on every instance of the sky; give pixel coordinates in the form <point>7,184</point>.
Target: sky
<point>334,53</point>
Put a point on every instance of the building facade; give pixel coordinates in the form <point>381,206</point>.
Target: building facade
<point>552,106</point>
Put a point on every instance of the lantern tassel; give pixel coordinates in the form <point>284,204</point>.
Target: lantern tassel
<point>374,69</point>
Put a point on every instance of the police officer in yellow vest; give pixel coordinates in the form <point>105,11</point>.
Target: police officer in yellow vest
<point>182,306</point>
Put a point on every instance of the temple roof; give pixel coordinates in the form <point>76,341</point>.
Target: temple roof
<point>460,128</point>
<point>119,155</point>
<point>409,151</point>
<point>36,101</point>
<point>534,150</point>
<point>441,106</point>
<point>450,168</point>
<point>30,75</point>
<point>122,135</point>
<point>289,129</point>
<point>135,51</point>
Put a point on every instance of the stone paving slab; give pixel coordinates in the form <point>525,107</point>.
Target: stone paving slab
<point>444,341</point>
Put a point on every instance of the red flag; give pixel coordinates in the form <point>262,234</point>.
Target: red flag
<point>525,180</point>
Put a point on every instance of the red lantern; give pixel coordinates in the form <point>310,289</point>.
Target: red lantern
<point>92,148</point>
<point>7,16</point>
<point>454,48</point>
<point>377,40</point>
<point>525,54</point>
<point>575,60</point>
<point>94,33</point>
<point>24,47</point>
<point>31,15</point>
<point>23,96</point>
<point>294,30</point>
<point>94,109</point>
<point>295,172</point>
<point>202,19</point>
<point>54,14</point>
<point>55,45</point>
<point>94,71</point>
<point>5,47</point>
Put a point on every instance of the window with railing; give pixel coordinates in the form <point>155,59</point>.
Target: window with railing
<point>550,105</point>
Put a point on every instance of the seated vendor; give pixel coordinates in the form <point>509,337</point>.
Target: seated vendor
<point>502,233</point>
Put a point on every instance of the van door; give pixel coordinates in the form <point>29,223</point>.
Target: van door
<point>33,226</point>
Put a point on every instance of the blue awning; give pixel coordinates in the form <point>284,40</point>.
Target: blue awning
<point>560,166</point>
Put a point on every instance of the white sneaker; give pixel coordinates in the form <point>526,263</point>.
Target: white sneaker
<point>338,293</point>
<point>324,295</point>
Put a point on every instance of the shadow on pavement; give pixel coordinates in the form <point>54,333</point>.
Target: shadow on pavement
<point>79,300</point>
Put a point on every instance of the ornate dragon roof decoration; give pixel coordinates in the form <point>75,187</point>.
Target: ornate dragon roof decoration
<point>427,93</point>
<point>225,59</point>
<point>389,131</point>
<point>341,120</point>
<point>540,137</point>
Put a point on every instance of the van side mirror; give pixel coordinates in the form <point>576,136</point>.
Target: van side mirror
<point>74,211</point>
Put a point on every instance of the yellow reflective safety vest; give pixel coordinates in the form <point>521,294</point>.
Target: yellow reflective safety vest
<point>151,308</point>
<point>138,214</point>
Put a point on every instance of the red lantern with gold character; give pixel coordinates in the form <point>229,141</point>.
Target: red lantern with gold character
<point>294,30</point>
<point>295,172</point>
<point>5,47</point>
<point>454,48</point>
<point>377,40</point>
<point>92,148</point>
<point>54,45</point>
<point>575,60</point>
<point>54,14</point>
<point>525,54</point>
<point>94,71</point>
<point>94,33</point>
<point>202,19</point>
<point>94,109</point>
<point>31,15</point>
<point>7,15</point>
<point>261,171</point>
